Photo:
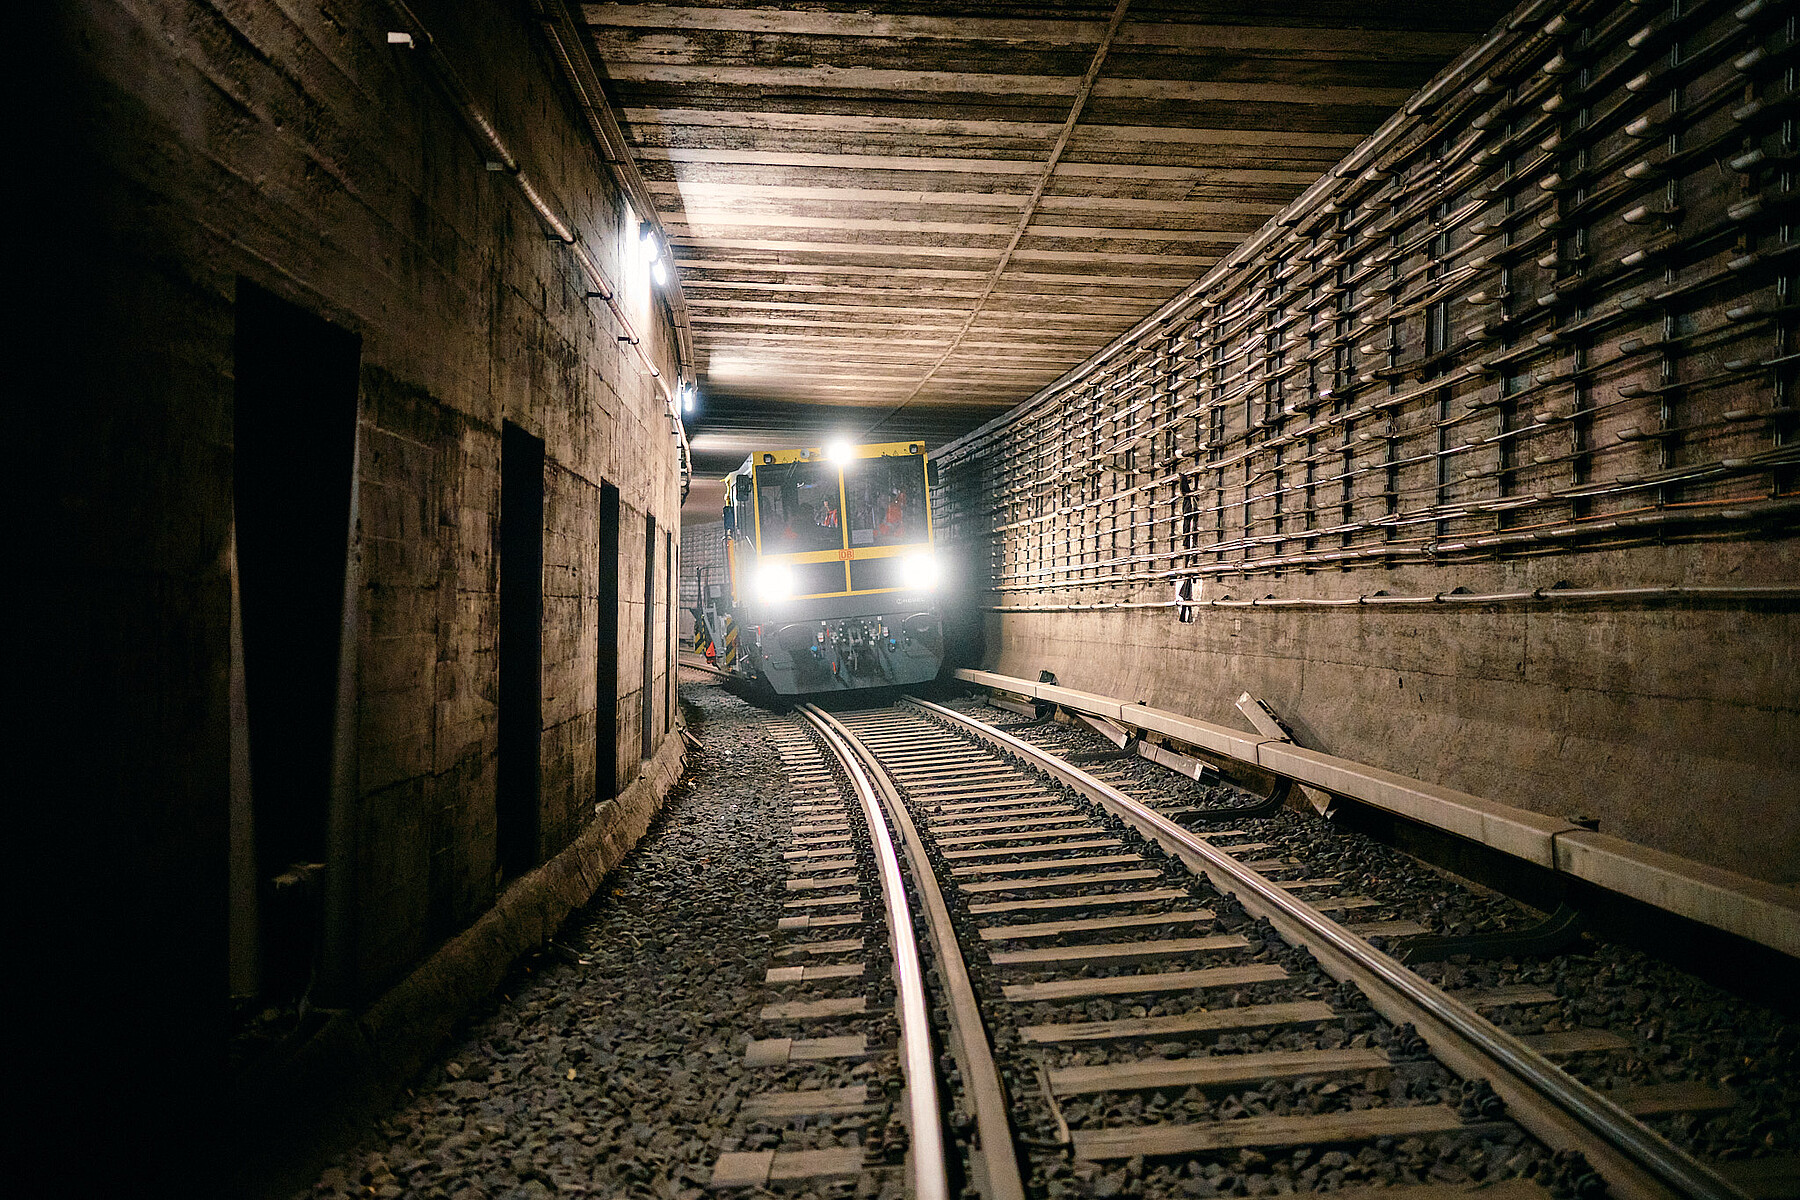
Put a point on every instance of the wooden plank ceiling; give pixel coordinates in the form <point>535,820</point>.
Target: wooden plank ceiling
<point>899,219</point>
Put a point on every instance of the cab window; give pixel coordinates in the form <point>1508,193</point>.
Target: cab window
<point>797,507</point>
<point>886,496</point>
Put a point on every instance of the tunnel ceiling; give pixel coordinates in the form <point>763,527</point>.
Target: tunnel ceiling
<point>899,220</point>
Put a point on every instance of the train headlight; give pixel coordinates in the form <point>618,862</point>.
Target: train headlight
<point>919,571</point>
<point>774,581</point>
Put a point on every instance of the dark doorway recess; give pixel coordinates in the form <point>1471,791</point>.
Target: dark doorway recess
<point>606,658</point>
<point>649,693</point>
<point>521,648</point>
<point>294,444</point>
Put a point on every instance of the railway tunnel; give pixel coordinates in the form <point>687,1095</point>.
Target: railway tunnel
<point>1362,500</point>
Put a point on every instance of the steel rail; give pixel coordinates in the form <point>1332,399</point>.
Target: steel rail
<point>682,660</point>
<point>995,1156</point>
<point>930,1179</point>
<point>1635,1161</point>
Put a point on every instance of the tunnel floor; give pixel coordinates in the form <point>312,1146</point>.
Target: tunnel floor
<point>613,1063</point>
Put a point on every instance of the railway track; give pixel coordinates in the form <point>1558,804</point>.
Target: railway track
<point>693,662</point>
<point>845,890</point>
<point>1115,987</point>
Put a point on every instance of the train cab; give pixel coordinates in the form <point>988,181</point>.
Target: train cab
<point>833,576</point>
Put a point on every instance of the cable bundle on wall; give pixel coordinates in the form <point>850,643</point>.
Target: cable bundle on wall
<point>1549,305</point>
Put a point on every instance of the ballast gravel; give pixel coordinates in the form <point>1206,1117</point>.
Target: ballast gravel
<point>613,1063</point>
<point>1488,1150</point>
<point>1678,1029</point>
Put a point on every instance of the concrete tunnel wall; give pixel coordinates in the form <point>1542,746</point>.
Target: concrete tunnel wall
<point>1673,725</point>
<point>1531,335</point>
<point>203,153</point>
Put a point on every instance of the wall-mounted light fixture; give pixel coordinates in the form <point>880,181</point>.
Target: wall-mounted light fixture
<point>653,253</point>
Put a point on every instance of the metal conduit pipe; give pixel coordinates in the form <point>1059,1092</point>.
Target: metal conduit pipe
<point>566,44</point>
<point>1784,594</point>
<point>578,70</point>
<point>500,158</point>
<point>1609,528</point>
<point>1426,516</point>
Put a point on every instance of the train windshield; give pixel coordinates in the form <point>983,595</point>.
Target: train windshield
<point>797,507</point>
<point>886,496</point>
